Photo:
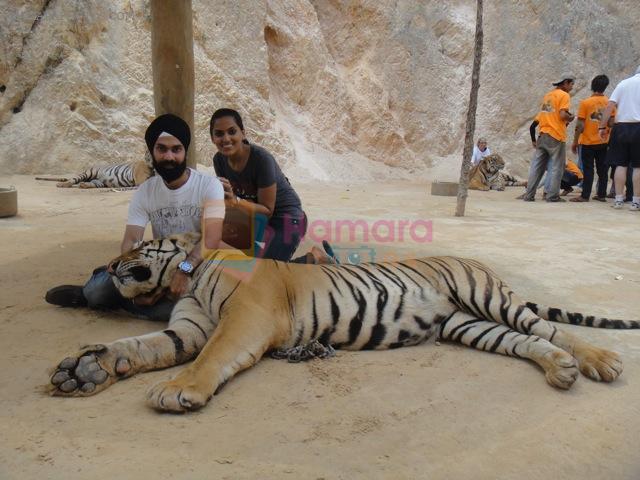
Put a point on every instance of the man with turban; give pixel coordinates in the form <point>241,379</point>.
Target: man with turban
<point>176,200</point>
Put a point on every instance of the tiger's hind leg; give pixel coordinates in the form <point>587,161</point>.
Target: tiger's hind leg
<point>596,363</point>
<point>559,366</point>
<point>91,184</point>
<point>243,335</point>
<point>96,367</point>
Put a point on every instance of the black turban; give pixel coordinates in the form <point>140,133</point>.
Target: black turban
<point>171,124</point>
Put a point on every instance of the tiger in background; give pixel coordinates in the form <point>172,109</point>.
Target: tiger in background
<point>124,175</point>
<point>229,321</point>
<point>487,175</point>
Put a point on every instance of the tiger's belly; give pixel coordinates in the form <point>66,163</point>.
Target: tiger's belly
<point>361,323</point>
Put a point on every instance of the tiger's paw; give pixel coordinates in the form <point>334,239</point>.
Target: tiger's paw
<point>561,369</point>
<point>86,185</point>
<point>90,371</point>
<point>181,394</point>
<point>599,364</point>
<point>64,184</point>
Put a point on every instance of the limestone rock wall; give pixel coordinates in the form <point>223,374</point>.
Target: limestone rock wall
<point>342,90</point>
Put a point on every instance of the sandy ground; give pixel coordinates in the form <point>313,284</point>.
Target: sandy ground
<point>430,411</point>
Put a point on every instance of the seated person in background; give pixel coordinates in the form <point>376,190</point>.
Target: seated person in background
<point>480,151</point>
<point>570,178</point>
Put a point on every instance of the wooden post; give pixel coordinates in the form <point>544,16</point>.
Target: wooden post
<point>471,116</point>
<point>172,59</point>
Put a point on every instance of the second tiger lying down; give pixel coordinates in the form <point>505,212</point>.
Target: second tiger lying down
<point>229,322</point>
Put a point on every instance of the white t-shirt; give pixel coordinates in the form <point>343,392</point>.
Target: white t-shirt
<point>627,98</point>
<point>176,211</point>
<point>478,155</point>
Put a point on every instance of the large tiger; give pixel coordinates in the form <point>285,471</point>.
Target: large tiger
<point>124,175</point>
<point>228,320</point>
<point>487,175</point>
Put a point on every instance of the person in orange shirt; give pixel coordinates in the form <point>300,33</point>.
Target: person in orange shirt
<point>570,178</point>
<point>551,144</point>
<point>592,146</point>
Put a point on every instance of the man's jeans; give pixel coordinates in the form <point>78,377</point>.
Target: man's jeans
<point>550,151</point>
<point>102,294</point>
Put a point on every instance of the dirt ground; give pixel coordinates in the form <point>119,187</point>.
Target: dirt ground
<point>431,411</point>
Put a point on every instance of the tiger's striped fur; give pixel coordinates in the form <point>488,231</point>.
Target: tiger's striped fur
<point>488,174</point>
<point>113,176</point>
<point>229,320</point>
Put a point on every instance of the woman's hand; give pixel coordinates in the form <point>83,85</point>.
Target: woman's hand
<point>228,189</point>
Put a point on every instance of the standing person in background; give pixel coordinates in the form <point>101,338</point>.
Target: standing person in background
<point>534,142</point>
<point>624,143</point>
<point>551,145</point>
<point>480,151</point>
<point>587,139</point>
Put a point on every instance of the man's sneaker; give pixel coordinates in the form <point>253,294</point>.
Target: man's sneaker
<point>66,296</point>
<point>617,204</point>
<point>635,207</point>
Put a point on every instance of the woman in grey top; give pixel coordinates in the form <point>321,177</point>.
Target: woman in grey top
<point>256,192</point>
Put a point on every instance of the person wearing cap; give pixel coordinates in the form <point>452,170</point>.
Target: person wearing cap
<point>553,118</point>
<point>176,200</point>
<point>624,142</point>
<point>480,151</point>
<point>587,139</point>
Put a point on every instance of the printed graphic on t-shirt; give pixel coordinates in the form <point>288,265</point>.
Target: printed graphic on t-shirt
<point>246,192</point>
<point>596,115</point>
<point>171,220</point>
<point>547,107</point>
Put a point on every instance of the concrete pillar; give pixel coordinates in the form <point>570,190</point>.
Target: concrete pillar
<point>172,60</point>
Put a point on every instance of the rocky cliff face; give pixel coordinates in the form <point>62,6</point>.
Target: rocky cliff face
<point>338,90</point>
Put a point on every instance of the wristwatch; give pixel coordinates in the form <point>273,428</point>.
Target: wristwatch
<point>186,267</point>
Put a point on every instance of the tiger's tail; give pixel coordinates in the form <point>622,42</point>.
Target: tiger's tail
<point>562,316</point>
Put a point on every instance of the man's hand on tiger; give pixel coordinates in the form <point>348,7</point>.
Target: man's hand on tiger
<point>178,285</point>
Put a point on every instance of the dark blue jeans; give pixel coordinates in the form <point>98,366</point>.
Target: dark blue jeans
<point>282,237</point>
<point>102,294</point>
<point>568,180</point>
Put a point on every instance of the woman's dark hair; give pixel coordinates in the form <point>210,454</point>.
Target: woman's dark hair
<point>599,84</point>
<point>225,112</point>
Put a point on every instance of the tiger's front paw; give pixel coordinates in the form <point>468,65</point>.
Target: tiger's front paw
<point>181,394</point>
<point>88,372</point>
<point>599,364</point>
<point>561,369</point>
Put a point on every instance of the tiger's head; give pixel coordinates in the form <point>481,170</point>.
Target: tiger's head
<point>493,163</point>
<point>150,264</point>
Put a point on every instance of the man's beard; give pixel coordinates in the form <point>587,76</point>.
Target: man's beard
<point>169,170</point>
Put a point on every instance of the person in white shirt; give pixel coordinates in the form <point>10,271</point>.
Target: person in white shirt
<point>624,142</point>
<point>480,151</point>
<point>176,200</point>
